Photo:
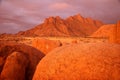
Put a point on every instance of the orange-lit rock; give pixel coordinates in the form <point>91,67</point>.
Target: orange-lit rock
<point>45,45</point>
<point>72,26</point>
<point>80,18</point>
<point>118,32</point>
<point>88,61</point>
<point>1,63</point>
<point>111,31</point>
<point>15,67</point>
<point>115,36</point>
<point>82,27</point>
<point>75,41</point>
<point>34,56</point>
<point>98,23</point>
<point>105,31</point>
<point>89,21</point>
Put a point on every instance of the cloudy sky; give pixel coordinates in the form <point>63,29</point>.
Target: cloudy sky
<point>17,15</point>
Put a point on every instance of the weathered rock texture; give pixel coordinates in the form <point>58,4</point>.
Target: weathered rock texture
<point>90,61</point>
<point>112,32</point>
<point>115,34</point>
<point>118,32</point>
<point>45,45</point>
<point>105,31</point>
<point>15,67</point>
<point>72,26</point>
<point>33,56</point>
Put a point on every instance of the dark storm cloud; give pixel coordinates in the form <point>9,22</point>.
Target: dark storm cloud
<point>16,15</point>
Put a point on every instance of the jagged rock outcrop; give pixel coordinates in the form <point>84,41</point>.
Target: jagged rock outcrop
<point>33,56</point>
<point>118,32</point>
<point>111,31</point>
<point>104,31</point>
<point>88,61</point>
<point>79,26</point>
<point>115,36</point>
<point>45,45</point>
<point>15,67</point>
<point>72,26</point>
<point>5,35</point>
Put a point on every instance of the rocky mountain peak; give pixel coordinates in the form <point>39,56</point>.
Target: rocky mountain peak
<point>72,26</point>
<point>79,17</point>
<point>53,20</point>
<point>50,20</point>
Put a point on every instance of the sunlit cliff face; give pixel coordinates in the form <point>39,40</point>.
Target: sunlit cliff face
<point>21,15</point>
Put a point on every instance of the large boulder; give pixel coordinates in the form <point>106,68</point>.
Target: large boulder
<point>88,61</point>
<point>105,31</point>
<point>118,32</point>
<point>33,55</point>
<point>115,38</point>
<point>111,31</point>
<point>45,45</point>
<point>15,67</point>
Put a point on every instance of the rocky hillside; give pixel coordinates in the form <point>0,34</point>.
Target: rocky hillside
<point>72,26</point>
<point>104,31</point>
<point>111,31</point>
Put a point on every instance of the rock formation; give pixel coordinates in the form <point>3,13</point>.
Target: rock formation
<point>88,61</point>
<point>118,32</point>
<point>112,32</point>
<point>72,26</point>
<point>104,31</point>
<point>45,45</point>
<point>115,38</point>
<point>15,67</point>
<point>33,56</point>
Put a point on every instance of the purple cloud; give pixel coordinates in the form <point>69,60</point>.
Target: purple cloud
<point>16,15</point>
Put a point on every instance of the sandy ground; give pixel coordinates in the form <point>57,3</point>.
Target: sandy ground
<point>28,40</point>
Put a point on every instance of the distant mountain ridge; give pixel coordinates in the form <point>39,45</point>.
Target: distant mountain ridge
<point>72,26</point>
